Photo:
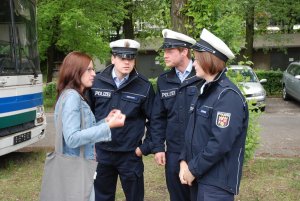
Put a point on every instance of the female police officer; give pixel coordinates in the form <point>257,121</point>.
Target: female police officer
<point>212,158</point>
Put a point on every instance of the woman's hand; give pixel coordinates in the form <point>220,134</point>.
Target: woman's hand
<point>115,119</point>
<point>185,175</point>
<point>183,168</point>
<point>138,152</point>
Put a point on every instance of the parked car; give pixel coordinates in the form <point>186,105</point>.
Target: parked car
<point>291,82</point>
<point>250,85</point>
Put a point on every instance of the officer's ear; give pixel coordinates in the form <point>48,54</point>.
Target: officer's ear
<point>185,51</point>
<point>112,59</point>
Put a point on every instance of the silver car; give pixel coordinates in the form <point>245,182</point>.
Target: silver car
<point>251,86</point>
<point>291,82</point>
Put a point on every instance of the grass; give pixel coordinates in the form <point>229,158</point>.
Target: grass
<point>264,179</point>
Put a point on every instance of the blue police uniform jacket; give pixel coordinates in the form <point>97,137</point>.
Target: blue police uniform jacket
<point>216,133</point>
<point>171,110</point>
<point>134,98</point>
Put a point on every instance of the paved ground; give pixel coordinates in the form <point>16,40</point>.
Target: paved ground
<point>280,126</point>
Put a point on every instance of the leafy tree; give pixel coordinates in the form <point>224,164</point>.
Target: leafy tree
<point>178,18</point>
<point>284,13</point>
<point>144,19</point>
<point>223,19</point>
<point>66,25</point>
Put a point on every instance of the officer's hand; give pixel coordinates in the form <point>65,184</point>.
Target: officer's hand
<point>160,158</point>
<point>138,152</point>
<point>188,177</point>
<point>115,119</point>
<point>183,168</point>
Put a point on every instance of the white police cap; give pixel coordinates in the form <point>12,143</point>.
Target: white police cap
<point>211,43</point>
<point>173,39</point>
<point>125,48</point>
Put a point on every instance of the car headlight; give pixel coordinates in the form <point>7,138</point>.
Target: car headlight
<point>259,94</point>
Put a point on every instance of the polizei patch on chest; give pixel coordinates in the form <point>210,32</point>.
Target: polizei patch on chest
<point>106,94</point>
<point>168,94</point>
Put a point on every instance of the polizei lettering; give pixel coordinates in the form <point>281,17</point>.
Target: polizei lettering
<point>168,94</point>
<point>103,94</point>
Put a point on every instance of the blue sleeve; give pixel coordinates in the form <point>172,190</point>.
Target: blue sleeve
<point>158,124</point>
<point>146,147</point>
<point>71,121</point>
<point>221,138</point>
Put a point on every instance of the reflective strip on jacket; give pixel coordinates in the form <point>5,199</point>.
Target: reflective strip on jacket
<point>171,110</point>
<point>134,98</point>
<point>216,133</point>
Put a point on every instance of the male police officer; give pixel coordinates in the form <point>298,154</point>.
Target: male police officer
<point>120,86</point>
<point>175,90</point>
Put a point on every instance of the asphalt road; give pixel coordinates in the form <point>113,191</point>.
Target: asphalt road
<point>280,125</point>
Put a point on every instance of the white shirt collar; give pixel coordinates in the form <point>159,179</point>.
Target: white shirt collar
<point>117,81</point>
<point>187,71</point>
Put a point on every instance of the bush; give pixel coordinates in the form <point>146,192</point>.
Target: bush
<point>154,83</point>
<point>252,139</point>
<point>273,86</point>
<point>49,94</point>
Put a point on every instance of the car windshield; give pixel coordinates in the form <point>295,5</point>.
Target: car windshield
<point>245,75</point>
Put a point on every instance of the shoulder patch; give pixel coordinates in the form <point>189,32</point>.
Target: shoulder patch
<point>223,119</point>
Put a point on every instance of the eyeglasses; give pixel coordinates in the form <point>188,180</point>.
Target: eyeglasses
<point>90,69</point>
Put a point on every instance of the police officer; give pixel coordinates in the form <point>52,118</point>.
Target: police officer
<point>212,159</point>
<point>175,90</point>
<point>120,86</point>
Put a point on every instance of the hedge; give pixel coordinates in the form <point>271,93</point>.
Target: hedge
<point>273,86</point>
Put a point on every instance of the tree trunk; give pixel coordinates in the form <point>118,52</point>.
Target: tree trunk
<point>249,32</point>
<point>128,28</point>
<point>178,20</point>
<point>50,62</point>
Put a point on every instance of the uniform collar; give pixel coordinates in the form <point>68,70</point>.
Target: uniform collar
<point>117,81</point>
<point>106,75</point>
<point>218,79</point>
<point>185,73</point>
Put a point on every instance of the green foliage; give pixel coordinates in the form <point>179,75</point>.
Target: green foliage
<point>154,83</point>
<point>49,95</point>
<point>77,25</point>
<point>284,13</point>
<point>223,19</point>
<point>273,86</point>
<point>153,15</point>
<point>252,139</point>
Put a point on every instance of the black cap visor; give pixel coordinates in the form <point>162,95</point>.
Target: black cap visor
<point>173,43</point>
<point>124,53</point>
<point>203,46</point>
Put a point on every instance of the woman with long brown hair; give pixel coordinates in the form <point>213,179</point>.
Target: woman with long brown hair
<point>75,76</point>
